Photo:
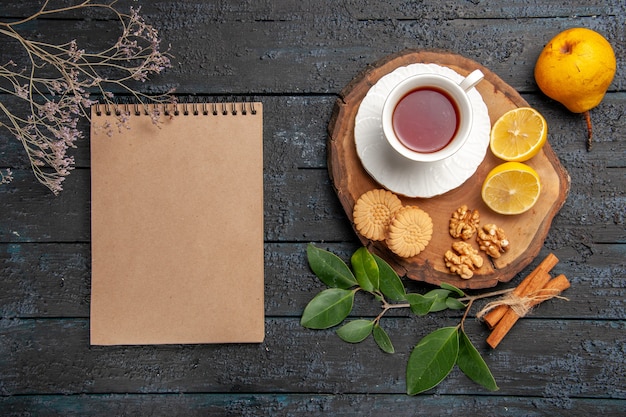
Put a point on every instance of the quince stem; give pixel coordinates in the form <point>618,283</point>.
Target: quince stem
<point>587,115</point>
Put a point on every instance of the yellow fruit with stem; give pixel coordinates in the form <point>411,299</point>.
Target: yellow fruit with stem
<point>576,69</point>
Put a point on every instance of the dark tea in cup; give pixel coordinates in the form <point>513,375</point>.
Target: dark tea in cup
<point>426,119</point>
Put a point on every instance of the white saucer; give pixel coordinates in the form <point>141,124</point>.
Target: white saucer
<point>409,178</point>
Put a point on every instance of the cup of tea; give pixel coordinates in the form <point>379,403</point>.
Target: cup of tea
<point>428,117</point>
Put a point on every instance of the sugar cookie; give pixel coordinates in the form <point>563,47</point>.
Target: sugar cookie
<point>409,231</point>
<point>373,211</point>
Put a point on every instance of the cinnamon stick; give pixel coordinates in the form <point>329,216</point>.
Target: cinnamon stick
<point>551,289</point>
<point>558,284</point>
<point>494,316</point>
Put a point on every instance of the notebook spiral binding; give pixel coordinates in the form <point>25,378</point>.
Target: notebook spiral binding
<point>186,108</point>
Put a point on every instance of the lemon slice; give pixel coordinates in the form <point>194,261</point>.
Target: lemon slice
<point>518,134</point>
<point>511,188</point>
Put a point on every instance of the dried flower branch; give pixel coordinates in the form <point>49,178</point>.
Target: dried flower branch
<point>6,176</point>
<point>57,83</point>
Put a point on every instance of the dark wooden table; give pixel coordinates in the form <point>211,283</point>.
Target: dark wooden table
<point>566,358</point>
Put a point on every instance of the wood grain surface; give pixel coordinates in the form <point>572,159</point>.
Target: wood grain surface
<point>565,359</point>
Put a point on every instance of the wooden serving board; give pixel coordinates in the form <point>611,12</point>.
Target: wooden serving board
<point>526,232</point>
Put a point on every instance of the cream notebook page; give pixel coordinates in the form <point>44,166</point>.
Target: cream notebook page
<point>177,227</point>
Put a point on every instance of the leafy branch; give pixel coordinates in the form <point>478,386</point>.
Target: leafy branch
<point>434,357</point>
<point>56,81</point>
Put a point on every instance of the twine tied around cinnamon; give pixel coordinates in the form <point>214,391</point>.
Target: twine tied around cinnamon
<point>521,305</point>
<point>538,286</point>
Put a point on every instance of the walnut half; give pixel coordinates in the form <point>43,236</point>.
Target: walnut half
<point>492,240</point>
<point>463,260</point>
<point>464,222</point>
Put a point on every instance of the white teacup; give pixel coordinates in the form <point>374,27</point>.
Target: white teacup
<point>428,117</point>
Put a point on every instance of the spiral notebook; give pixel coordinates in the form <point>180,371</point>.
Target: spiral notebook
<point>177,224</point>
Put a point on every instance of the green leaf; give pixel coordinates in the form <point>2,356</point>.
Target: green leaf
<point>473,365</point>
<point>390,283</point>
<point>329,268</point>
<point>328,308</point>
<point>454,304</point>
<point>382,339</point>
<point>452,288</point>
<point>420,305</point>
<point>439,295</point>
<point>365,269</point>
<point>355,331</point>
<point>432,359</point>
